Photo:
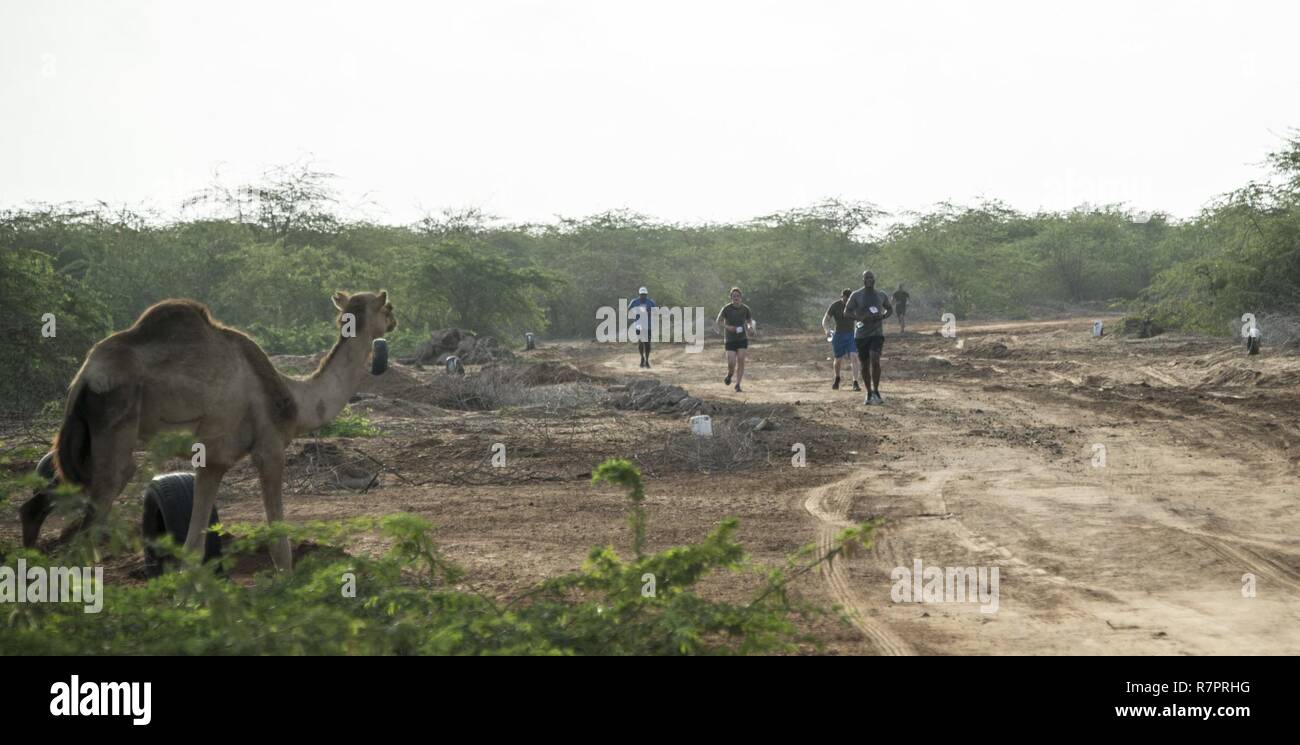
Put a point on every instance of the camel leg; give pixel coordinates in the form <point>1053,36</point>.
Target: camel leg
<point>206,483</point>
<point>112,456</point>
<point>270,472</point>
<point>33,514</point>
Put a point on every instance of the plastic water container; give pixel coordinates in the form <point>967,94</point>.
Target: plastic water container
<point>1096,328</point>
<point>830,336</point>
<point>702,425</point>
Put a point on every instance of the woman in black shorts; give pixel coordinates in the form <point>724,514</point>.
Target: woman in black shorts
<point>737,323</point>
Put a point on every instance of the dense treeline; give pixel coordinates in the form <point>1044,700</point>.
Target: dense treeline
<point>266,257</point>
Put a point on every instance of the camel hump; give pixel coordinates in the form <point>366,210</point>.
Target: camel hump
<point>170,318</point>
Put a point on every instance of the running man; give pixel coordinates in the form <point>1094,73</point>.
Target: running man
<point>738,323</point>
<point>869,308</point>
<point>841,339</point>
<point>641,323</point>
<point>900,307</point>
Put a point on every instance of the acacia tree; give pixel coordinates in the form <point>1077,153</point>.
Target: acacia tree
<point>1247,258</point>
<point>484,292</point>
<point>292,202</point>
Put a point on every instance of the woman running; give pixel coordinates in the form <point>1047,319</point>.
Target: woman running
<point>737,322</point>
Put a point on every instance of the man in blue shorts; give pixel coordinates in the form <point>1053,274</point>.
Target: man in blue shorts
<point>841,339</point>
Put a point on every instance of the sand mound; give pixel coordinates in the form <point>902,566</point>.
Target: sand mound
<point>1238,373</point>
<point>986,348</point>
<point>471,348</point>
<point>648,394</point>
<point>397,382</point>
<point>543,373</point>
<point>1141,328</point>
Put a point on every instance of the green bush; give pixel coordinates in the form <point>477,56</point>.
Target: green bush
<point>408,600</point>
<point>349,423</point>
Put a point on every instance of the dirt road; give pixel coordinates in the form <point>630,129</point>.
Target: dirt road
<point>1135,496</point>
<point>1123,487</point>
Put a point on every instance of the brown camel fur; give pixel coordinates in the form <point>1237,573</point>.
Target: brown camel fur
<point>178,369</point>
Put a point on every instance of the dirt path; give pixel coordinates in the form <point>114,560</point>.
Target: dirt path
<point>828,504</point>
<point>1125,495</point>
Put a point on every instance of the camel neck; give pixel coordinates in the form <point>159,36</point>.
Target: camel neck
<point>323,395</point>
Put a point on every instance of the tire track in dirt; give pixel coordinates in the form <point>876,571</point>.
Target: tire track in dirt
<point>829,505</point>
<point>1254,561</point>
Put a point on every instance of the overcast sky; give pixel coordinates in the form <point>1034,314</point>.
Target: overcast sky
<point>699,110</point>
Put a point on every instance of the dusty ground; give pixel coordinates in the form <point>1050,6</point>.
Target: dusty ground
<point>988,455</point>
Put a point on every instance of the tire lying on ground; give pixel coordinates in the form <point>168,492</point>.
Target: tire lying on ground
<point>45,469</point>
<point>34,511</point>
<point>168,503</point>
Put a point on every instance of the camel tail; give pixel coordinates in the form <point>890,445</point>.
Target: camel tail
<point>72,444</point>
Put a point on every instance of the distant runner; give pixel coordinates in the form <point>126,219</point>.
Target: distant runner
<point>641,323</point>
<point>841,339</point>
<point>900,307</point>
<point>738,323</point>
<point>869,308</point>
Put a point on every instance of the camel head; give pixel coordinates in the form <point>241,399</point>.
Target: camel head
<point>374,318</point>
<point>373,312</point>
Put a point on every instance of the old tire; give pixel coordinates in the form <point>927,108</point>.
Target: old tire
<point>45,469</point>
<point>34,511</point>
<point>168,503</point>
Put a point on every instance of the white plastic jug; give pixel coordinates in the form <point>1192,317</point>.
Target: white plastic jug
<point>1096,328</point>
<point>702,425</point>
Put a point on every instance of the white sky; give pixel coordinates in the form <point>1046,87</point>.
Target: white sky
<point>698,110</point>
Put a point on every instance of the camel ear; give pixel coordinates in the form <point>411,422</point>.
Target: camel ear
<point>340,300</point>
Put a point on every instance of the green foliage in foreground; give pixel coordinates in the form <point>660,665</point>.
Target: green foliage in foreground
<point>411,600</point>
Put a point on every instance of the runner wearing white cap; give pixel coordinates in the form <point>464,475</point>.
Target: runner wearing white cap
<point>640,311</point>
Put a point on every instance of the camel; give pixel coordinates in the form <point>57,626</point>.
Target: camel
<point>178,369</point>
